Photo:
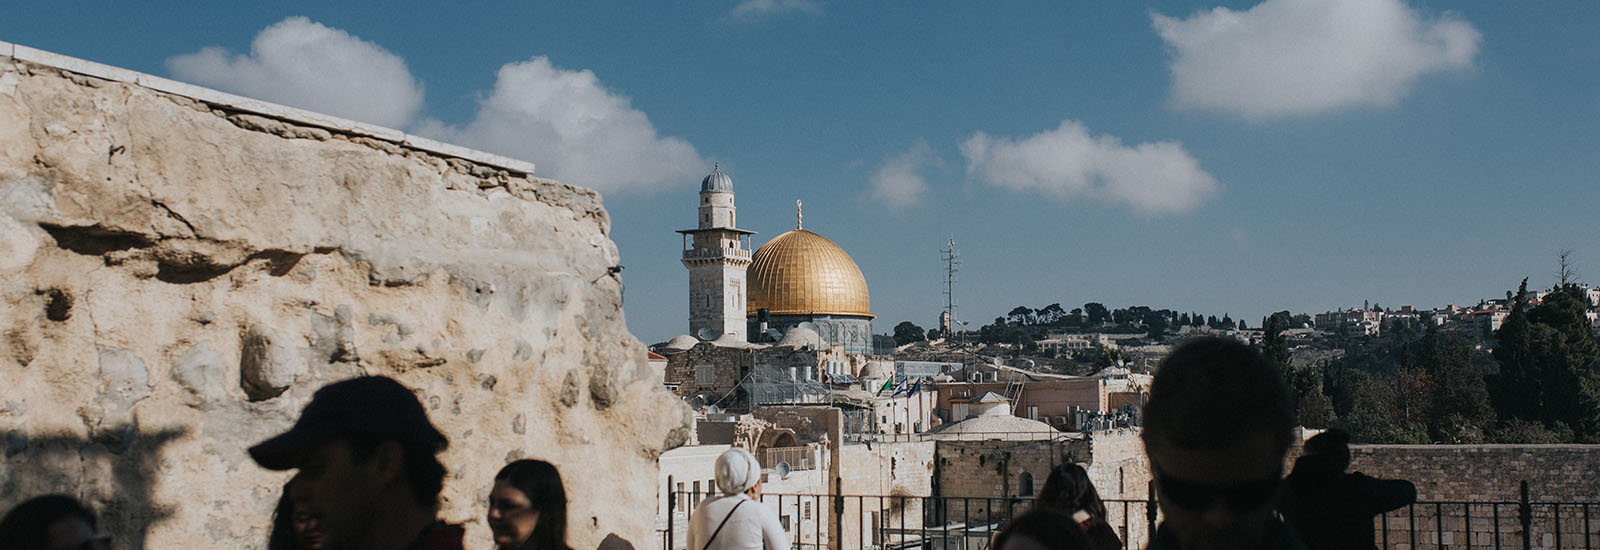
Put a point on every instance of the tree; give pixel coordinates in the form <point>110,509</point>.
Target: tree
<point>1458,409</point>
<point>1546,355</point>
<point>1565,274</point>
<point>1184,320</point>
<point>1097,312</point>
<point>1157,327</point>
<point>1051,313</point>
<point>1021,315</point>
<point>907,332</point>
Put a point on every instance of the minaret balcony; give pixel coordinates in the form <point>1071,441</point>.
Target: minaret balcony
<point>717,253</point>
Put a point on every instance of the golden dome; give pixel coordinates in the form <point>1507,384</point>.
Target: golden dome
<point>803,273</point>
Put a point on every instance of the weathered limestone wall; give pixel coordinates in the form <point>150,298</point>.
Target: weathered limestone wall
<point>180,271</point>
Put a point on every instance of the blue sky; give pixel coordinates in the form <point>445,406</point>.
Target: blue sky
<point>1238,157</point>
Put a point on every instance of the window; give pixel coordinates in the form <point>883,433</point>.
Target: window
<point>703,374</point>
<point>1025,485</point>
<point>806,512</point>
<point>697,490</point>
<point>683,499</point>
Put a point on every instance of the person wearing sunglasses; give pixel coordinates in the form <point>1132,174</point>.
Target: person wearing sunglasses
<point>1216,427</point>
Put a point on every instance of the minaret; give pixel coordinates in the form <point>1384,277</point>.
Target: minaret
<point>717,255</point>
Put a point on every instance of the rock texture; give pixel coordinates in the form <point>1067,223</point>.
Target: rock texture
<point>178,276</point>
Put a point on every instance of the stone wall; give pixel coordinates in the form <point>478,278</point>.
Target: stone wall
<point>726,368</point>
<point>1491,476</point>
<point>180,269</point>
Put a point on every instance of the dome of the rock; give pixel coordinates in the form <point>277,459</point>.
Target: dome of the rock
<point>803,273</point>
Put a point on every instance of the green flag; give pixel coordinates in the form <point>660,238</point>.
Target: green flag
<point>887,384</point>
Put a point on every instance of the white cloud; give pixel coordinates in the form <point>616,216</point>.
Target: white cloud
<point>1068,162</point>
<point>1300,57</point>
<point>752,9</point>
<point>899,183</point>
<point>301,63</point>
<point>573,130</point>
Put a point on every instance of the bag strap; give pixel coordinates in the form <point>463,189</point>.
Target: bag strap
<point>723,524</point>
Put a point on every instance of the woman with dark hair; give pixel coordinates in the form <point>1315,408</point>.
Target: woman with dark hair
<point>48,523</point>
<point>1069,492</point>
<point>528,507</point>
<point>293,528</point>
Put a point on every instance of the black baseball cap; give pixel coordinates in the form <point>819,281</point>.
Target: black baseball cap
<point>369,406</point>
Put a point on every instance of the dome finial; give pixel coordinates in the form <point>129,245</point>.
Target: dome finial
<point>799,215</point>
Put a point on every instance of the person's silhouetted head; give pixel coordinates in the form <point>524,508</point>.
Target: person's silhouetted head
<point>366,455</point>
<point>1068,490</point>
<point>50,522</point>
<point>1333,444</point>
<point>1216,428</point>
<point>1042,529</point>
<point>528,507</point>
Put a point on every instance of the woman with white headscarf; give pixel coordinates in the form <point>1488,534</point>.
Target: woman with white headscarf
<point>736,520</point>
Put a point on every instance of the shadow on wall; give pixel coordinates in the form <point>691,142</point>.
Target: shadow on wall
<point>113,472</point>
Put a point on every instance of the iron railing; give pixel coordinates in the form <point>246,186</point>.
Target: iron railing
<point>885,522</point>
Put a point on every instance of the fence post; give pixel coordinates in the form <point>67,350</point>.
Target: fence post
<point>672,505</point>
<point>1525,515</point>
<point>1150,513</point>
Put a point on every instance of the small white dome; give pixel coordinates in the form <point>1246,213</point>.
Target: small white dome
<point>681,342</point>
<point>798,337</point>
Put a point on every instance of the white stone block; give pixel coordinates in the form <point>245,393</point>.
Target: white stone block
<point>73,64</point>
<point>421,143</point>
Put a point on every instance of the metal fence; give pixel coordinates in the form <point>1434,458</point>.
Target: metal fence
<point>1521,524</point>
<point>893,522</point>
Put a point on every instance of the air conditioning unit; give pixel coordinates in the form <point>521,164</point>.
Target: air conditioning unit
<point>993,376</point>
<point>974,377</point>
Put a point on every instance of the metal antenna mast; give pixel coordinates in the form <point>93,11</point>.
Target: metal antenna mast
<point>952,264</point>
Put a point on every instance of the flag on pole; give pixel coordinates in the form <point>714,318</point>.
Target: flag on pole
<point>900,388</point>
<point>915,388</point>
<point>886,385</point>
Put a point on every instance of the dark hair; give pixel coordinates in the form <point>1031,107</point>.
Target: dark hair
<point>282,535</point>
<point>541,483</point>
<point>1334,444</point>
<point>424,473</point>
<point>1212,394</point>
<point>27,525</point>
<point>1049,528</point>
<point>1068,490</point>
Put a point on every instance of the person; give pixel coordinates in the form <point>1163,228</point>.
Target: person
<point>528,507</point>
<point>368,470</point>
<point>293,529</point>
<point>1216,427</point>
<point>1069,492</point>
<point>1331,509</point>
<point>1042,528</point>
<point>736,520</point>
<point>50,522</point>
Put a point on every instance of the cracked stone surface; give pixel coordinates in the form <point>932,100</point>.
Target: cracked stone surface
<point>176,281</point>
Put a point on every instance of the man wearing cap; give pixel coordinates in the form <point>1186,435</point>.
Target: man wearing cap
<point>736,520</point>
<point>1216,428</point>
<point>365,452</point>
